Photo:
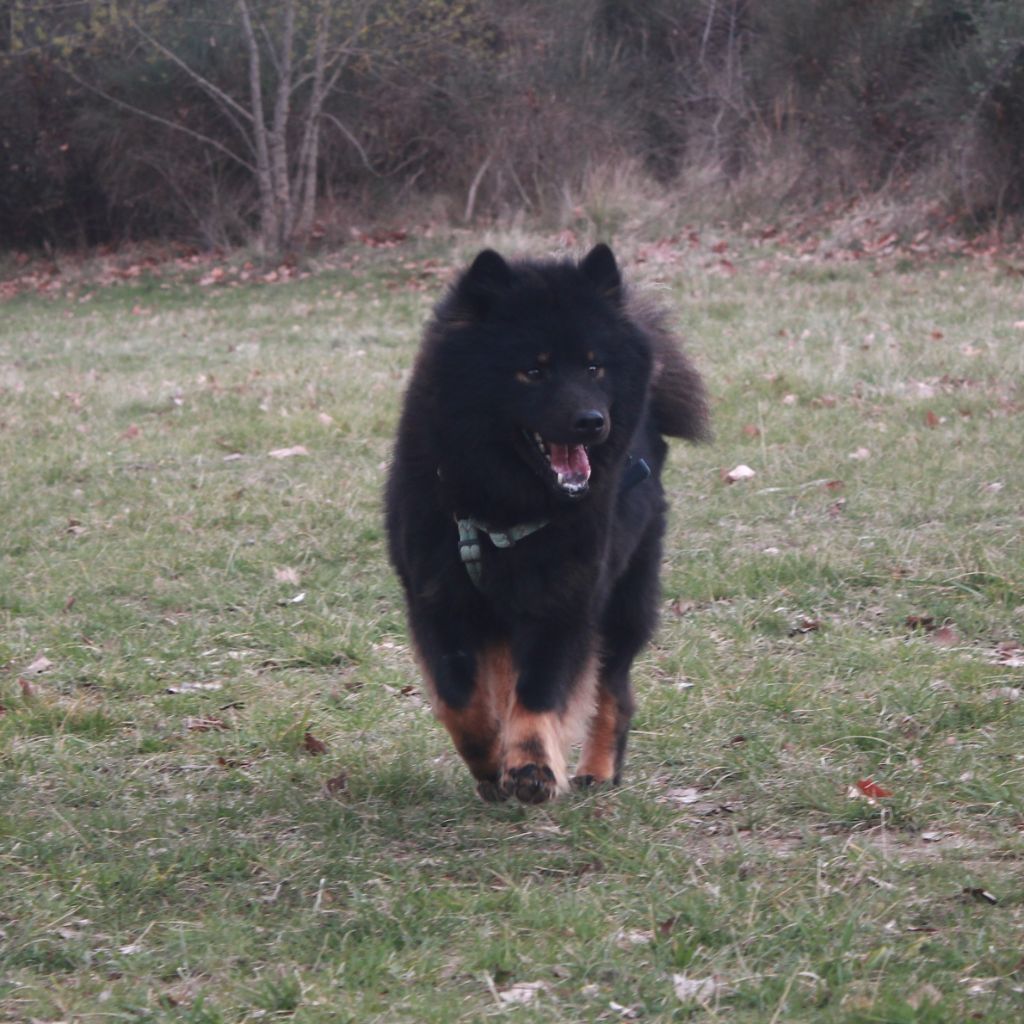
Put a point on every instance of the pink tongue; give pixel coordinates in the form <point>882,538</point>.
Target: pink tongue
<point>569,460</point>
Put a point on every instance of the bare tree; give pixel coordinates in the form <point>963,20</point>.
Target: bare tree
<point>296,52</point>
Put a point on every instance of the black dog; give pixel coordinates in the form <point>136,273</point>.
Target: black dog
<point>525,513</point>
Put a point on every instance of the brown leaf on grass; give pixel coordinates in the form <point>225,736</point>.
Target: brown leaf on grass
<point>837,508</point>
<point>931,421</point>
<point>286,574</point>
<point>750,430</point>
<point>311,745</point>
<point>131,433</point>
<point>232,762</point>
<point>925,622</point>
<point>945,636</point>
<point>3,710</point>
<point>28,691</point>
<point>805,625</point>
<point>872,789</point>
<point>200,724</point>
<point>833,485</point>
<point>1010,653</point>
<point>337,784</point>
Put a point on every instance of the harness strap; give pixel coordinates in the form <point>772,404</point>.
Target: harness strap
<point>470,551</point>
<point>469,542</point>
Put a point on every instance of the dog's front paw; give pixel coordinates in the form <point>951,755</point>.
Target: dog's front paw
<point>491,791</point>
<point>530,783</point>
<point>589,782</point>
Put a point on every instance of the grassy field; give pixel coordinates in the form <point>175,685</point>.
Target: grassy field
<point>222,795</point>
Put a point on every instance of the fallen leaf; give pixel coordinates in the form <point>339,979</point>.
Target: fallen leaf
<point>740,472</point>
<point>925,622</point>
<point>287,453</point>
<point>38,667</point>
<point>194,687</point>
<point>337,784</point>
<point>805,626</point>
<point>699,990</point>
<point>28,691</point>
<point>872,789</point>
<point>931,421</point>
<point>297,599</point>
<point>945,636</point>
<point>926,995</point>
<point>287,575</point>
<point>683,795</point>
<point>752,431</point>
<point>522,992</point>
<point>980,894</point>
<point>311,745</point>
<point>632,937</point>
<point>131,433</point>
<point>860,454</point>
<point>679,607</point>
<point>204,725</point>
<point>625,1012</point>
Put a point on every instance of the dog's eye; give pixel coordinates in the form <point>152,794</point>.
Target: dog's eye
<point>596,370</point>
<point>531,376</point>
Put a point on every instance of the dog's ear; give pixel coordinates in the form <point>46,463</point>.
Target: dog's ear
<point>488,275</point>
<point>601,270</point>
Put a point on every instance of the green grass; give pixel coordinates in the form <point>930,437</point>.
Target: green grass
<point>170,849</point>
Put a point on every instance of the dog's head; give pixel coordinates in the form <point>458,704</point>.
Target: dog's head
<point>549,362</point>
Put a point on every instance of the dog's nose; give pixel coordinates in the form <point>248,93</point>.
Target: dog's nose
<point>589,424</point>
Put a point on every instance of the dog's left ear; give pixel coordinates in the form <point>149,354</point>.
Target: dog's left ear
<point>601,270</point>
<point>478,288</point>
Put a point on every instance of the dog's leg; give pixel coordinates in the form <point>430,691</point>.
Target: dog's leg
<point>628,623</point>
<point>468,694</point>
<point>604,748</point>
<point>552,699</point>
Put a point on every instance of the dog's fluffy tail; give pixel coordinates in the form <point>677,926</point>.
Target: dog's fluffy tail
<point>679,402</point>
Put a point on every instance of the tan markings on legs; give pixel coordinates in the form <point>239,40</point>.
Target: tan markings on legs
<point>476,728</point>
<point>543,738</point>
<point>597,760</point>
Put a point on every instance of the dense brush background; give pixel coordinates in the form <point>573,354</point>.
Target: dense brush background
<point>475,109</point>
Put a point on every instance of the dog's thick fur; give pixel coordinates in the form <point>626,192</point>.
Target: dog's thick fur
<point>540,395</point>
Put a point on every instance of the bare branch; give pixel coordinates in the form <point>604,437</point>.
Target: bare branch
<point>140,112</point>
<point>355,142</point>
<point>201,80</point>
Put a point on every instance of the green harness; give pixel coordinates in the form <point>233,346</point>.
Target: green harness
<point>637,470</point>
<point>469,542</point>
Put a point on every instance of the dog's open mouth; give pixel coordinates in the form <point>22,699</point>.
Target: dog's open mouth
<point>569,465</point>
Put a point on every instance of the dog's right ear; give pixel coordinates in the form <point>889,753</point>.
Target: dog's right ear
<point>488,275</point>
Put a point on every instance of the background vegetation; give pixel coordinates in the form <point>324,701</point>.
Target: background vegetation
<point>137,118</point>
